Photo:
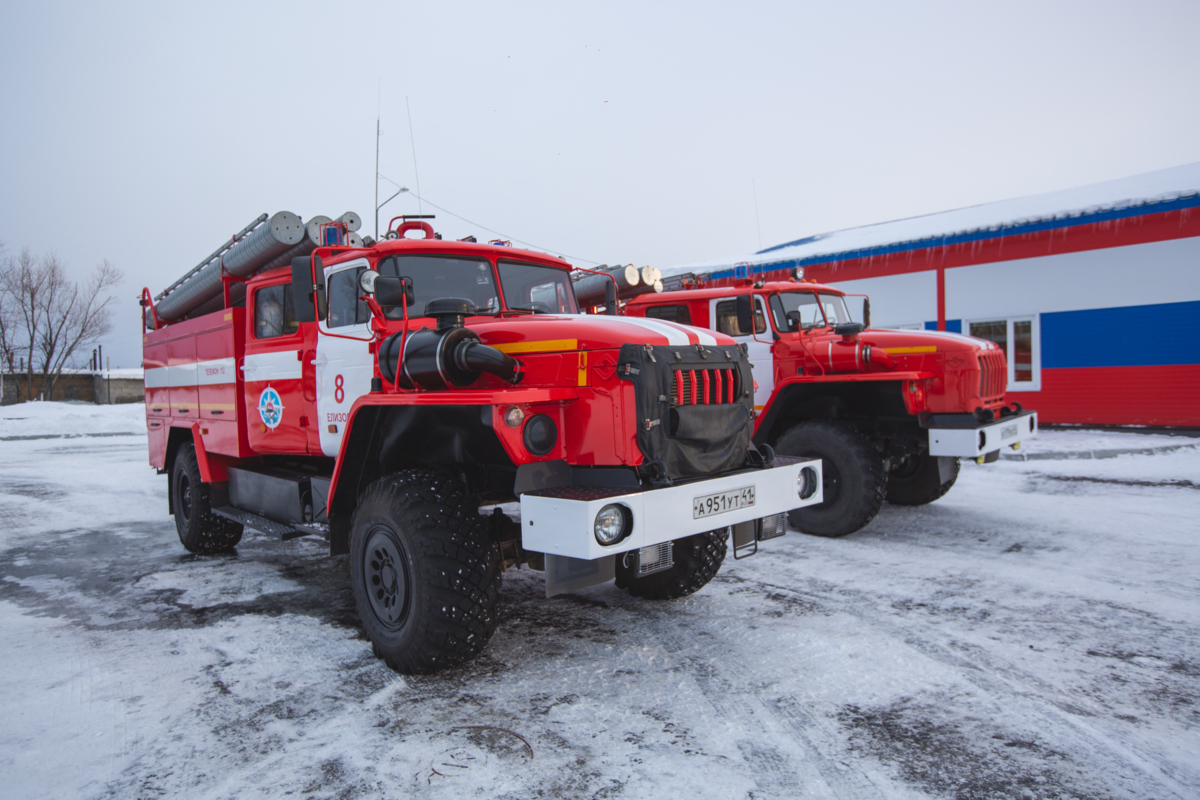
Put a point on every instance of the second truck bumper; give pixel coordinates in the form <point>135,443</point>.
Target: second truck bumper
<point>974,439</point>
<point>560,521</point>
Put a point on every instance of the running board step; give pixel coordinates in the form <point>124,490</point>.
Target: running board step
<point>267,526</point>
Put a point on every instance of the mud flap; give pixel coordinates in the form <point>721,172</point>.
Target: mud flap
<point>945,469</point>
<point>565,574</point>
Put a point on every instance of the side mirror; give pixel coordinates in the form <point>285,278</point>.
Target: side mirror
<point>308,276</point>
<point>745,314</point>
<point>394,291</point>
<point>866,312</point>
<point>793,319</point>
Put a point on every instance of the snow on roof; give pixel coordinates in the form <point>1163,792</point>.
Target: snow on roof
<point>1151,192</point>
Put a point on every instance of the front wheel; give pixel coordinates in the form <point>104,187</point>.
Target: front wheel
<point>424,572</point>
<point>697,559</point>
<point>921,479</point>
<point>853,478</point>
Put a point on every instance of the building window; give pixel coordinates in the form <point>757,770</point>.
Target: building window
<point>681,314</point>
<point>1020,339</point>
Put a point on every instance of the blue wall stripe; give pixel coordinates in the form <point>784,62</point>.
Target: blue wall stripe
<point>1155,335</point>
<point>1128,336</point>
<point>972,236</point>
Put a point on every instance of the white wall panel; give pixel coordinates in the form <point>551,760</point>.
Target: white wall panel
<point>1140,274</point>
<point>896,299</point>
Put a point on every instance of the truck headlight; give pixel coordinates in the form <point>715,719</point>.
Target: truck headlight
<point>806,483</point>
<point>612,524</point>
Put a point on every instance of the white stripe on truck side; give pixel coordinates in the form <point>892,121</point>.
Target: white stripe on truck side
<point>200,373</point>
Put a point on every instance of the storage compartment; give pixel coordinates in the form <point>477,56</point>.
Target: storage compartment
<point>275,493</point>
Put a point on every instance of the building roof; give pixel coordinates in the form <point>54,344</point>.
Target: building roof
<point>1148,193</point>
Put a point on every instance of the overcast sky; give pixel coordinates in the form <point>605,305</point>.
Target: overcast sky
<point>631,132</point>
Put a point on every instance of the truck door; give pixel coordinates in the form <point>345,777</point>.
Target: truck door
<point>277,413</point>
<point>344,365</point>
<point>723,313</point>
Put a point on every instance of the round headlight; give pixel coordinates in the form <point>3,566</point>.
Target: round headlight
<point>806,483</point>
<point>612,523</point>
<point>540,434</point>
<point>514,416</point>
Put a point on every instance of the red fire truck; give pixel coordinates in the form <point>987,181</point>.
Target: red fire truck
<point>888,412</point>
<point>302,381</point>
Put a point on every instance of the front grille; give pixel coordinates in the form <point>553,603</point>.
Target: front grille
<point>703,387</point>
<point>993,375</point>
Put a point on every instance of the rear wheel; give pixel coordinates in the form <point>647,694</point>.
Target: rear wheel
<point>200,530</point>
<point>697,559</point>
<point>921,479</point>
<point>853,478</point>
<point>424,572</point>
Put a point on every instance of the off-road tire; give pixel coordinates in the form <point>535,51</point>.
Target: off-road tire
<point>917,480</point>
<point>853,478</point>
<point>424,572</point>
<point>200,530</point>
<point>697,559</point>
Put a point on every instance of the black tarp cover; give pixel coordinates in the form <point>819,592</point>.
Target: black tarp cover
<point>690,440</point>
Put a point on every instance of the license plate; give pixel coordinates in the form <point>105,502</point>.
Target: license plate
<point>712,504</point>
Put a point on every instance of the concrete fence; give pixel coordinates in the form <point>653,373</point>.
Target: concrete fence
<point>113,386</point>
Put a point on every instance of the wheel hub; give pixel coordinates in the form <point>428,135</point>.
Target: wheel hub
<point>386,577</point>
<point>185,496</point>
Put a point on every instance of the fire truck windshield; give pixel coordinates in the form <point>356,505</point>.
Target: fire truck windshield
<point>529,287</point>
<point>808,310</point>
<point>444,276</point>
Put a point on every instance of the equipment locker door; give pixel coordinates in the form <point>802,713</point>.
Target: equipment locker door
<point>344,364</point>
<point>723,313</point>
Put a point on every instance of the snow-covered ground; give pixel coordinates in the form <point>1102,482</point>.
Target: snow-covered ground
<point>1036,633</point>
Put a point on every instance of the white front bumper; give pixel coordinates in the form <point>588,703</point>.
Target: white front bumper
<point>560,521</point>
<point>975,442</point>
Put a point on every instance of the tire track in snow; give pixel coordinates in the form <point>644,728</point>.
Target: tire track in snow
<point>779,772</point>
<point>1006,681</point>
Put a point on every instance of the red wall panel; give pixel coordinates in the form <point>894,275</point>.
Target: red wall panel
<point>1159,395</point>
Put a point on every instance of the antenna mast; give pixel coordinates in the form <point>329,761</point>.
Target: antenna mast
<point>377,178</point>
<point>413,142</point>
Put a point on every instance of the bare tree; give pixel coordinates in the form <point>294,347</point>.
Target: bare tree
<point>8,317</point>
<point>53,316</point>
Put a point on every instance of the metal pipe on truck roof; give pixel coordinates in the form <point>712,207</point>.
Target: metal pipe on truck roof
<point>645,288</point>
<point>243,258</point>
<point>589,290</point>
<point>310,239</point>
<point>650,275</point>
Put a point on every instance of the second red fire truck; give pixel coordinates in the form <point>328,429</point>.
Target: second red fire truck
<point>888,412</point>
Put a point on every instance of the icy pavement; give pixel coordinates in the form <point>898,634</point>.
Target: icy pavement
<point>1033,634</point>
